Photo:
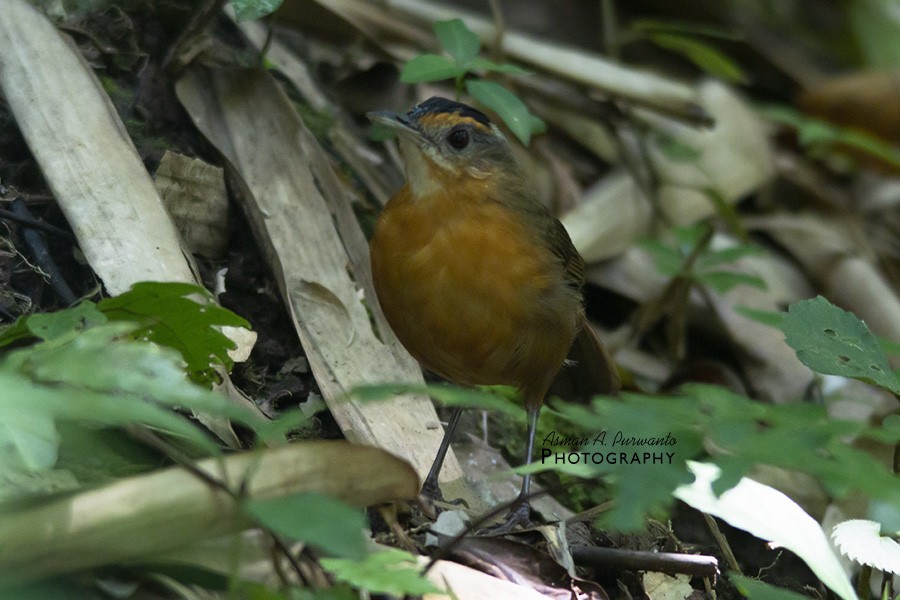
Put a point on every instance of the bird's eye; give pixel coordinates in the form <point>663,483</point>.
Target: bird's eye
<point>458,138</point>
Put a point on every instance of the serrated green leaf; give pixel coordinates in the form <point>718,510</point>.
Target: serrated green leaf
<point>723,281</point>
<point>429,67</point>
<point>251,10</point>
<point>458,41</point>
<point>706,57</point>
<point>170,317</point>
<point>392,572</point>
<point>511,109</point>
<point>833,341</point>
<point>314,518</point>
<point>484,64</point>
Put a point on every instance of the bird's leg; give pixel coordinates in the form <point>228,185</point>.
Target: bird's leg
<point>430,487</point>
<point>520,511</point>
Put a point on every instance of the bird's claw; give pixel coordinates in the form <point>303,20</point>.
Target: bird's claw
<point>518,516</point>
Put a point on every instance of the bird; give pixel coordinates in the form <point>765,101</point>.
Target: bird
<point>475,276</point>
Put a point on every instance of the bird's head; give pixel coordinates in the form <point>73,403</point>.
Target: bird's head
<point>444,142</point>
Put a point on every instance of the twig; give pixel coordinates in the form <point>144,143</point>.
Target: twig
<point>35,223</point>
<point>723,544</point>
<point>38,246</point>
<point>640,560</point>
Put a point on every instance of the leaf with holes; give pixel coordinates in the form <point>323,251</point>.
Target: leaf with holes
<point>835,342</point>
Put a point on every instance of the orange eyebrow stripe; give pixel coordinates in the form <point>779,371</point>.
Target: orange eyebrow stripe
<point>448,120</point>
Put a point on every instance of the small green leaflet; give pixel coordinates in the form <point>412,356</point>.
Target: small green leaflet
<point>429,67</point>
<point>458,41</point>
<point>511,109</point>
<point>251,10</point>
<point>392,572</point>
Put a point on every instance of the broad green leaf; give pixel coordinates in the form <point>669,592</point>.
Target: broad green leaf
<point>830,340</point>
<point>754,589</point>
<point>723,281</point>
<point>169,316</point>
<point>393,572</point>
<point>483,64</point>
<point>705,56</point>
<point>458,41</point>
<point>511,109</point>
<point>429,67</point>
<point>314,518</point>
<point>251,10</point>
<point>772,516</point>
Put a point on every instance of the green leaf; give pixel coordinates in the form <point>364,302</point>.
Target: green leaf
<point>511,109</point>
<point>766,317</point>
<point>876,24</point>
<point>833,341</point>
<point>669,261</point>
<point>392,572</point>
<point>683,28</point>
<point>715,258</point>
<point>723,281</point>
<point>47,326</point>
<point>705,56</point>
<point>483,64</point>
<point>28,438</point>
<point>429,67</point>
<point>754,589</point>
<point>314,518</point>
<point>170,317</point>
<point>675,149</point>
<point>251,10</point>
<point>458,41</point>
<point>815,134</point>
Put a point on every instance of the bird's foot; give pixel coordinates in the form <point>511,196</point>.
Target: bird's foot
<point>432,491</point>
<point>519,515</point>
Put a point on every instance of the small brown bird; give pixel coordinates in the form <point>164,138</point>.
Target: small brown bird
<point>478,280</point>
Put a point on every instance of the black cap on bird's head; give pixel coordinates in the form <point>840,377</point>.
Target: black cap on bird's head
<point>451,135</point>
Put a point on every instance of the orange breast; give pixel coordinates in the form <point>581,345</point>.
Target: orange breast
<point>471,293</point>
